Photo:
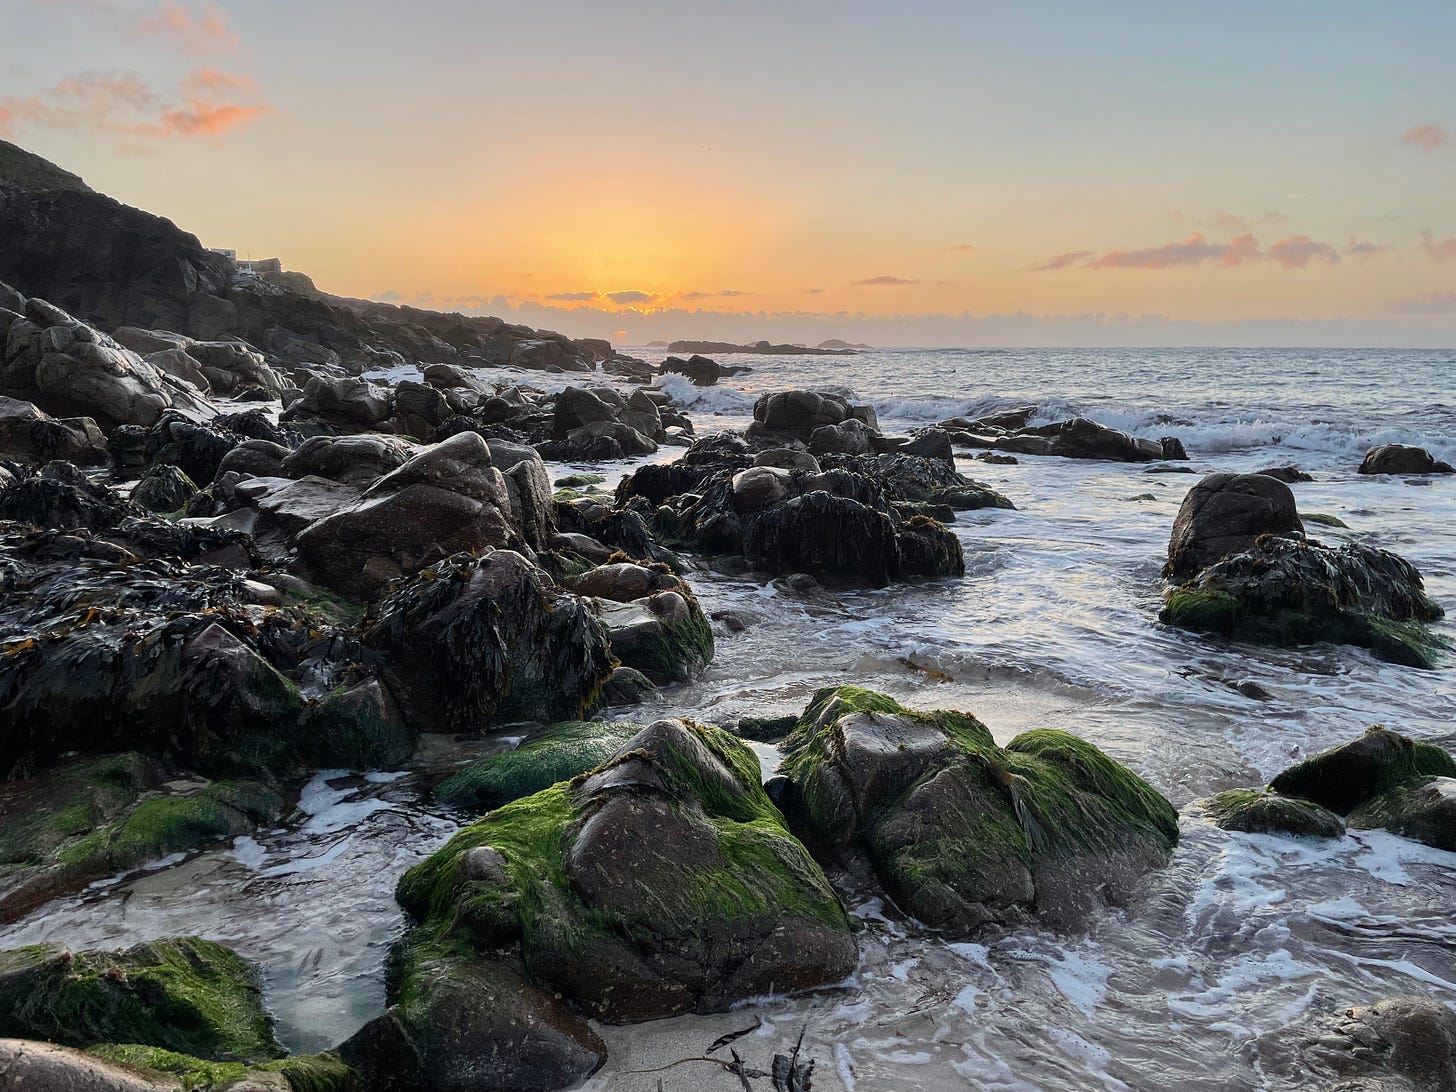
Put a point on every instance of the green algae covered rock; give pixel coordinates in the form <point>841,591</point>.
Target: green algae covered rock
<point>475,641</point>
<point>1423,808</point>
<point>652,617</point>
<point>1346,776</point>
<point>557,752</point>
<point>662,882</point>
<point>1256,812</point>
<point>1284,592</point>
<point>299,1073</point>
<point>96,817</point>
<point>186,995</point>
<point>460,1023</point>
<point>961,832</point>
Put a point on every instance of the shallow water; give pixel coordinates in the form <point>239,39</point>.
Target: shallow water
<point>1053,625</point>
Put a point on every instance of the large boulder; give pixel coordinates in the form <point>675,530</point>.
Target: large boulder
<point>343,404</point>
<point>798,413</point>
<point>1351,774</point>
<point>447,498</point>
<point>71,369</point>
<point>1283,592</point>
<point>664,882</point>
<point>702,371</point>
<point>1402,459</point>
<point>962,833</point>
<point>1224,514</point>
<point>475,641</point>
<point>29,435</point>
<point>353,460</point>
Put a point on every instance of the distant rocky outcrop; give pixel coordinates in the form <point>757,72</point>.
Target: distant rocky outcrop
<point>761,348</point>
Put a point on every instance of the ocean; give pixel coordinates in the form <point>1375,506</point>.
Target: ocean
<point>1053,625</point>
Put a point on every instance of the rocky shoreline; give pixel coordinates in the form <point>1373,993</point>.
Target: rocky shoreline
<point>233,556</point>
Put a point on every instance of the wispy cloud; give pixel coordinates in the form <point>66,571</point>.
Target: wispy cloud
<point>1426,137</point>
<point>572,297</point>
<point>631,295</point>
<point>123,104</point>
<point>1429,303</point>
<point>1191,251</point>
<point>1064,261</point>
<point>961,248</point>
<point>1441,250</point>
<point>886,281</point>
<point>722,293</point>
<point>1362,250</point>
<point>196,30</point>
<point>1297,251</point>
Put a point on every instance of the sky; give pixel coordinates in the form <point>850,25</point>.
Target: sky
<point>943,172</point>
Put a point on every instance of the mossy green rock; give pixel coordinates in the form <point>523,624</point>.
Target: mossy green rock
<point>95,817</point>
<point>459,1023</point>
<point>302,1072</point>
<point>1256,812</point>
<point>663,882</point>
<point>1423,808</point>
<point>555,753</point>
<point>186,995</point>
<point>1284,592</point>
<point>1345,777</point>
<point>961,832</point>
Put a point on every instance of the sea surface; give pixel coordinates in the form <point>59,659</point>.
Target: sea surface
<point>1054,624</point>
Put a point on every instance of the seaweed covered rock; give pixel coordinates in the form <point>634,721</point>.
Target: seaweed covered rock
<point>1397,1044</point>
<point>94,817</point>
<point>1346,776</point>
<point>474,641</point>
<point>459,1025</point>
<point>962,833</point>
<point>177,659</point>
<point>1423,809</point>
<point>1224,514</point>
<point>448,497</point>
<point>186,995</point>
<point>60,495</point>
<point>652,617</point>
<point>552,753</point>
<point>663,882</point>
<point>1255,812</point>
<point>164,488</point>
<point>29,435</point>
<point>1284,592</point>
<point>1402,459</point>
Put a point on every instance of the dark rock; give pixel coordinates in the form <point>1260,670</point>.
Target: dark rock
<point>1224,514</point>
<point>700,369</point>
<point>627,686</point>
<point>1285,592</point>
<point>1080,438</point>
<point>353,460</point>
<point>31,436</point>
<point>164,488</point>
<point>1423,809</point>
<point>1289,475</point>
<point>1402,459</point>
<point>475,641</point>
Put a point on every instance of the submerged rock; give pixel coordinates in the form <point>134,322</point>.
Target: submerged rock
<point>1080,438</point>
<point>1398,1044</point>
<point>664,882</point>
<point>962,833</point>
<point>1423,809</point>
<point>1256,812</point>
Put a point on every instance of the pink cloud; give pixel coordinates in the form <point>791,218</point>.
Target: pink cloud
<point>194,31</point>
<point>1062,261</point>
<point>961,248</point>
<point>121,103</point>
<point>886,281</point>
<point>1426,137</point>
<point>1441,250</point>
<point>1192,251</point>
<point>1297,251</point>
